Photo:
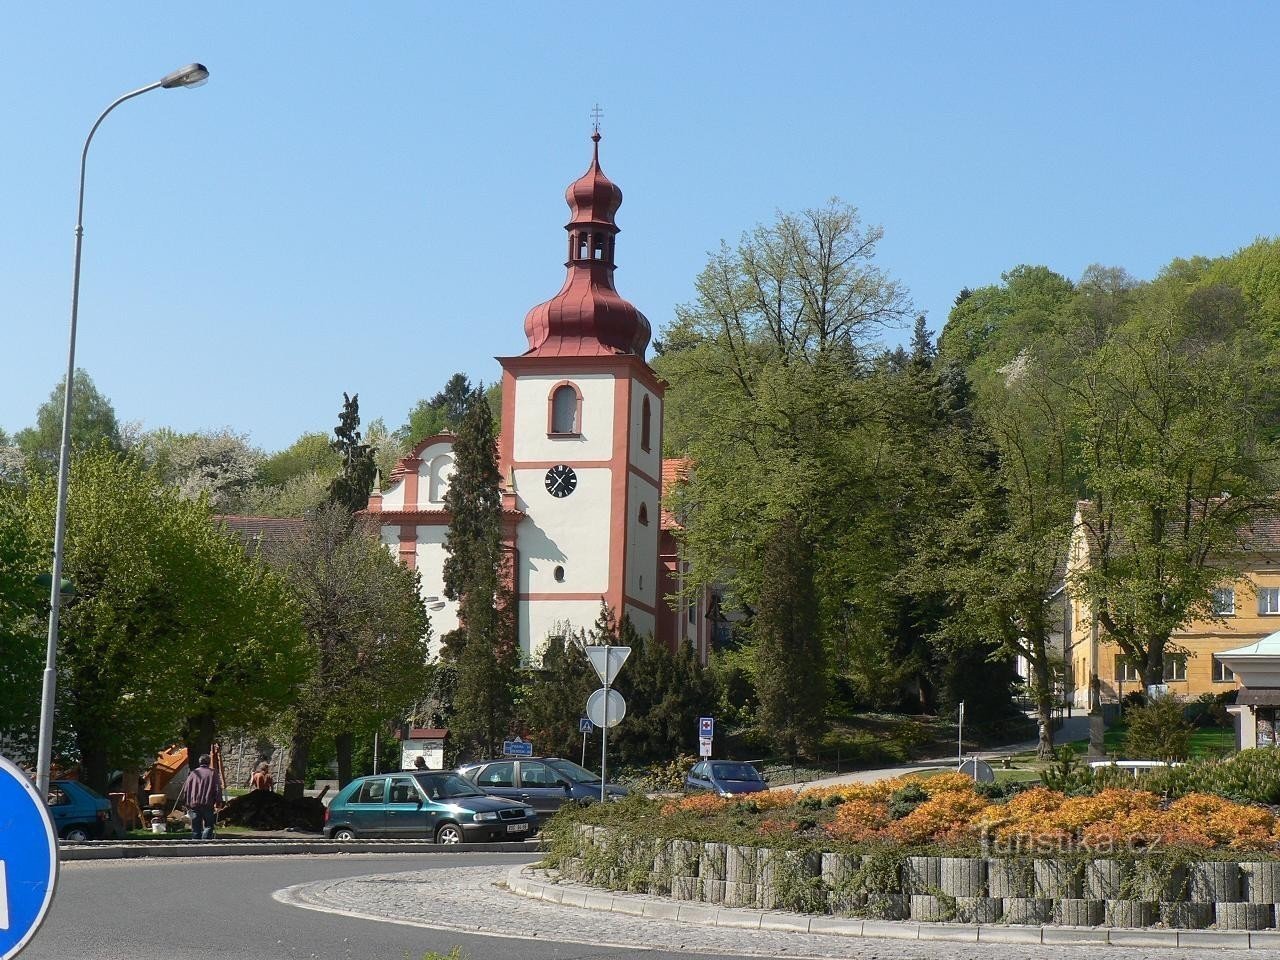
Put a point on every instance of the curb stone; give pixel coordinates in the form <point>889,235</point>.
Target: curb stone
<point>524,882</point>
<point>103,850</point>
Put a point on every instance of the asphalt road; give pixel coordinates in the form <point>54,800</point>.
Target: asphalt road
<point>222,908</point>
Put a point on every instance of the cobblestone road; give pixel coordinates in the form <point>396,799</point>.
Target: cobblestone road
<point>469,899</point>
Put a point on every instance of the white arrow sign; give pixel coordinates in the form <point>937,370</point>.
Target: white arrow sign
<point>4,900</point>
<point>608,661</point>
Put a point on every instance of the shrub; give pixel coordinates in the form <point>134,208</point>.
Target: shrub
<point>1158,731</point>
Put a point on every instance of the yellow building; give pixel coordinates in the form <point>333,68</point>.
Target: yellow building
<point>1247,609</point>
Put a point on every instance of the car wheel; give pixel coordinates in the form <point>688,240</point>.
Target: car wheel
<point>76,834</point>
<point>343,833</point>
<point>449,833</point>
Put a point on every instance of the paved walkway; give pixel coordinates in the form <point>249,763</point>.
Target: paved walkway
<point>474,900</point>
<point>1073,728</point>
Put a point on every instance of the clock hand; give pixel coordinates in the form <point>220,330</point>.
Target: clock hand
<point>556,485</point>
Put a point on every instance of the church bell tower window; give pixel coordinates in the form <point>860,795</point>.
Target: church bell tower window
<point>566,411</point>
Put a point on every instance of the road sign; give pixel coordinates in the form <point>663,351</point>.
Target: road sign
<point>704,746</point>
<point>517,748</point>
<point>706,726</point>
<point>585,725</point>
<point>980,770</point>
<point>28,860</point>
<point>608,661</point>
<point>595,708</point>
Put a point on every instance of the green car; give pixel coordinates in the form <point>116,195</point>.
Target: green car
<point>438,806</point>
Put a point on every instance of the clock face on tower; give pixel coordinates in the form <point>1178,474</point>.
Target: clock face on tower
<point>561,480</point>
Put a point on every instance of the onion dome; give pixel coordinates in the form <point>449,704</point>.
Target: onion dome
<point>588,317</point>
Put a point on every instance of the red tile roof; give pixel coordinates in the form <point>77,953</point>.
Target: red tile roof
<point>675,470</point>
<point>262,534</point>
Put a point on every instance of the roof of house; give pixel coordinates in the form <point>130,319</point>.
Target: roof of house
<point>262,534</point>
<point>1260,534</point>
<point>675,470</point>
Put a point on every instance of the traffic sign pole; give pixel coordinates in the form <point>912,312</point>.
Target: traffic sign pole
<point>604,738</point>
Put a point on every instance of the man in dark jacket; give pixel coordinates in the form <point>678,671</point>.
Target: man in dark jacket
<point>201,795</point>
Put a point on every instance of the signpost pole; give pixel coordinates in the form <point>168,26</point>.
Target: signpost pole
<point>604,737</point>
<point>960,737</point>
<point>584,748</point>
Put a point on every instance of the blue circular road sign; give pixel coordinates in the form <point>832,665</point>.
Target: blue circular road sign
<point>28,859</point>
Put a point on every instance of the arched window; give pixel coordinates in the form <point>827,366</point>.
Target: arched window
<point>646,424</point>
<point>644,514</point>
<point>566,412</point>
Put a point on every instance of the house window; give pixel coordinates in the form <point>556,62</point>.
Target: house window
<point>1126,672</point>
<point>565,410</point>
<point>1175,667</point>
<point>644,514</point>
<point>1268,600</point>
<point>1222,673</point>
<point>1224,601</point>
<point>646,424</point>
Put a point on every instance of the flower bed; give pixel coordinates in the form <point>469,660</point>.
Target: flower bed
<point>941,849</point>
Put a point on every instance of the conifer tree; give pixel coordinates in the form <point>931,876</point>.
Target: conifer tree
<point>789,662</point>
<point>477,574</point>
<point>351,487</point>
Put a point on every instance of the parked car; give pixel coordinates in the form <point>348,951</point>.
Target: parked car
<point>542,782</point>
<point>436,805</point>
<point>78,813</point>
<point>724,777</point>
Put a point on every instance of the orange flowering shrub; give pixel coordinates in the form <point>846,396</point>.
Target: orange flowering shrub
<point>945,783</point>
<point>769,799</point>
<point>858,820</point>
<point>946,816</point>
<point>775,826</point>
<point>1226,824</point>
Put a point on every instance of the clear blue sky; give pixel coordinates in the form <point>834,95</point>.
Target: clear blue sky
<point>369,196</point>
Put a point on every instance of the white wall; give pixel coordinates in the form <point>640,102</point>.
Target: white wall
<point>642,541</point>
<point>438,457</point>
<point>539,617</point>
<point>651,462</point>
<point>430,560</point>
<point>573,532</point>
<point>642,620</point>
<point>530,439</point>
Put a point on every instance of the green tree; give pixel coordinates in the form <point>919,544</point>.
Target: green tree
<point>790,675</point>
<point>478,574</point>
<point>367,630</point>
<point>168,619</point>
<point>310,454</point>
<point>219,464</point>
<point>1172,412</point>
<point>354,482</point>
<point>22,610</point>
<point>444,411</point>
<point>93,422</point>
<point>554,693</point>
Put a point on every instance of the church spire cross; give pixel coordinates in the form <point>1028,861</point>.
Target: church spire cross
<point>596,114</point>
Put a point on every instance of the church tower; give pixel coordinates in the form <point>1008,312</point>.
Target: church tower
<point>581,441</point>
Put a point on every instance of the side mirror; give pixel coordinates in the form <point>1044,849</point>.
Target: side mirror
<point>563,783</point>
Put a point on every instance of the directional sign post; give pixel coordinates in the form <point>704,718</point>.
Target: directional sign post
<point>517,748</point>
<point>28,860</point>
<point>585,727</point>
<point>607,662</point>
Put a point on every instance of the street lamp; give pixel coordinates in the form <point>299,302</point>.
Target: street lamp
<point>192,75</point>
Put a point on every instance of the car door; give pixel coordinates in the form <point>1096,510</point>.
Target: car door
<point>406,812</point>
<point>697,779</point>
<point>61,809</point>
<point>499,779</point>
<point>367,808</point>
<point>541,787</point>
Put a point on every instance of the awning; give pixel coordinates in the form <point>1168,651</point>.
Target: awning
<point>1262,697</point>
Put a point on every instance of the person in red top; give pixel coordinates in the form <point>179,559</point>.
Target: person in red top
<point>201,795</point>
<point>262,779</point>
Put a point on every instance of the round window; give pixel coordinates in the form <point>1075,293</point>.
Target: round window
<point>558,573</point>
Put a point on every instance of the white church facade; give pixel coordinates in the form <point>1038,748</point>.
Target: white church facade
<point>580,454</point>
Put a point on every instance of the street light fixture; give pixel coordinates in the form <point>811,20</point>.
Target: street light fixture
<point>192,75</point>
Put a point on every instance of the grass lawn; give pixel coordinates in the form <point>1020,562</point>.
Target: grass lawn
<point>1205,742</point>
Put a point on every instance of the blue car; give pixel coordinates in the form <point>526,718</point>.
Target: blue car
<point>726,778</point>
<point>78,813</point>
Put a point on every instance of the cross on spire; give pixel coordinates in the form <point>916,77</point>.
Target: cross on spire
<point>596,114</point>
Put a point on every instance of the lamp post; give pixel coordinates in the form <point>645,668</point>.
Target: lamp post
<point>192,75</point>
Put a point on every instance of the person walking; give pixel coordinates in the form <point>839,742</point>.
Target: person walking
<point>261,779</point>
<point>201,795</point>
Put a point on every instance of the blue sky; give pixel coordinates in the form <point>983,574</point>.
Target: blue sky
<point>367,197</point>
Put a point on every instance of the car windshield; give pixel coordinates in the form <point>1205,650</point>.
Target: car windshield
<point>743,772</point>
<point>445,786</point>
<point>572,772</point>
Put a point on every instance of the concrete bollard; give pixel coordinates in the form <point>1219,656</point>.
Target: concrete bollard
<point>1181,915</point>
<point>963,877</point>
<point>1056,879</point>
<point>929,909</point>
<point>1028,910</point>
<point>1215,881</point>
<point>742,865</point>
<point>713,861</point>
<point>1261,881</point>
<point>1104,879</point>
<point>978,909</point>
<point>1244,916</point>
<point>922,875</point>
<point>1073,912</point>
<point>1130,913</point>
<point>1009,878</point>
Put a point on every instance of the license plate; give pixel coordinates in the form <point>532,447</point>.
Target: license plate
<point>517,827</point>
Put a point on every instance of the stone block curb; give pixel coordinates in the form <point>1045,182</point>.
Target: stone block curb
<point>521,880</point>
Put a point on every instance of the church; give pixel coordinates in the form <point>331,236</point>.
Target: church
<point>580,454</point>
